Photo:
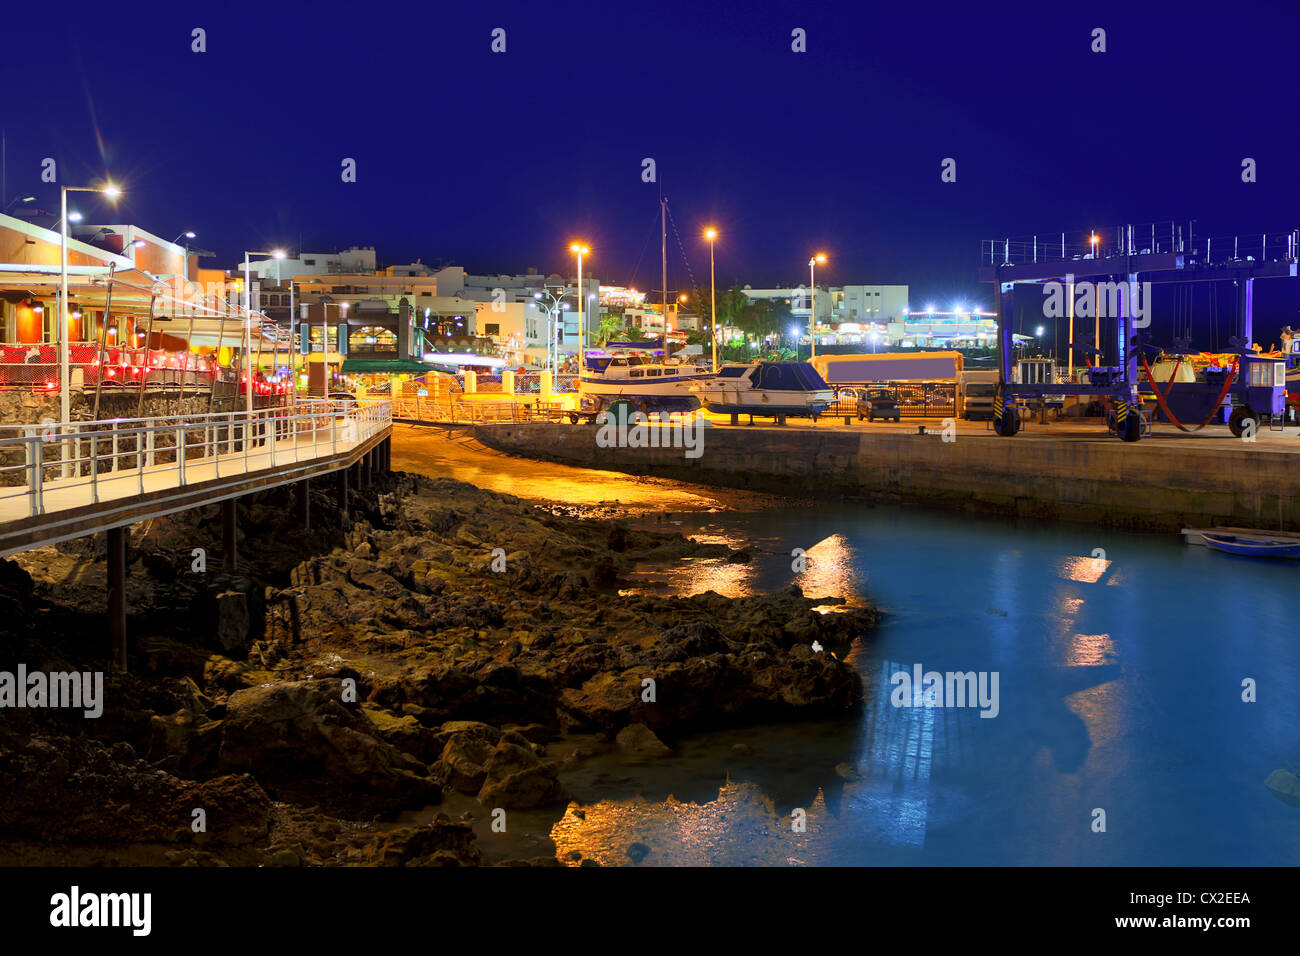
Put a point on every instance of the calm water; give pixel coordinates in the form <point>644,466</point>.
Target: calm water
<point>1120,683</point>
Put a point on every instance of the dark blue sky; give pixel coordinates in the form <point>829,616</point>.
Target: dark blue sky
<point>495,161</point>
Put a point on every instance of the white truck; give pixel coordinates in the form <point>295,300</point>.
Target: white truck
<point>977,390</point>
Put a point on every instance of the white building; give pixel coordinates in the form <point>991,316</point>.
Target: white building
<point>869,303</point>
<point>356,259</point>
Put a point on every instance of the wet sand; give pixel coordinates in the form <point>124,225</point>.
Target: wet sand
<point>453,452</point>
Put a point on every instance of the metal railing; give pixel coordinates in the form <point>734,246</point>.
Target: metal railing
<point>920,400</point>
<point>452,411</point>
<point>54,467</point>
<point>1142,239</point>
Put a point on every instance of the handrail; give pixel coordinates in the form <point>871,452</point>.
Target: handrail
<point>55,466</point>
<point>453,411</point>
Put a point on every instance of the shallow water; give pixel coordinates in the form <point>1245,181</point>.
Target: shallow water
<point>1120,686</point>
<point>1119,689</point>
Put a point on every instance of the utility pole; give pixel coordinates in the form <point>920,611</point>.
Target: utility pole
<point>663,249</point>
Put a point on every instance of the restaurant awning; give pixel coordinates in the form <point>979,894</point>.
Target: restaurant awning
<point>385,366</point>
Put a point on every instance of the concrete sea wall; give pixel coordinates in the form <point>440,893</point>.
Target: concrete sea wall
<point>1151,485</point>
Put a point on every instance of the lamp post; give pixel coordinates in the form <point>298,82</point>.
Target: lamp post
<point>812,306</point>
<point>248,324</point>
<point>557,305</point>
<point>1096,332</point>
<point>581,250</point>
<point>325,340</point>
<point>65,361</point>
<point>712,234</point>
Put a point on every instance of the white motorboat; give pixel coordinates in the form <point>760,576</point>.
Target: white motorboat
<point>770,389</point>
<point>651,384</point>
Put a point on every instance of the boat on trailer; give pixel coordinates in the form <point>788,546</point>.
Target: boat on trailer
<point>771,389</point>
<point>651,384</point>
<point>1251,547</point>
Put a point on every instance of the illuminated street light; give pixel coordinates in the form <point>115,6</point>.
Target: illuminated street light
<point>65,361</point>
<point>581,250</point>
<point>553,319</point>
<point>248,322</point>
<point>812,306</point>
<point>711,234</point>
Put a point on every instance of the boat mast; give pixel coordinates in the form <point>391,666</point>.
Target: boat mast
<point>663,248</point>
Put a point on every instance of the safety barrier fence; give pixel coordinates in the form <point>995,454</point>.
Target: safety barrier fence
<point>51,466</point>
<point>450,410</point>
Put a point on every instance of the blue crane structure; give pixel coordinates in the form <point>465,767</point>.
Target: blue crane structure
<point>1120,266</point>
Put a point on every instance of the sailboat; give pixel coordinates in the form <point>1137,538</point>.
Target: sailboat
<point>633,371</point>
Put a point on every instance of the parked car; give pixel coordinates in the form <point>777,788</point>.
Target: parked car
<point>878,403</point>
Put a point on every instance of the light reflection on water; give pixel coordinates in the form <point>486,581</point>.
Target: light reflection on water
<point>1119,689</point>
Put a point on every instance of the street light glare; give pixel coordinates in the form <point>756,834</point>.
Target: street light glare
<point>579,248</point>
<point>74,217</point>
<point>190,235</point>
<point>710,234</point>
<point>111,191</point>
<point>277,254</point>
<point>820,257</point>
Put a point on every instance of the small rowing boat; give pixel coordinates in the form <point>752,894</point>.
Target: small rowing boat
<point>1252,547</point>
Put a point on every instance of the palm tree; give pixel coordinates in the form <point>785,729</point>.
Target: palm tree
<point>611,324</point>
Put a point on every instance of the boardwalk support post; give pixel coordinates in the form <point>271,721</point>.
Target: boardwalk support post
<point>343,492</point>
<point>229,557</point>
<point>304,502</point>
<point>117,597</point>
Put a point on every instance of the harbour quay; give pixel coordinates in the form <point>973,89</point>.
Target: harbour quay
<point>1062,474</point>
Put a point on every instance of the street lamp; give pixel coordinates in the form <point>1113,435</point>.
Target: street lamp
<point>552,346</point>
<point>711,234</point>
<point>325,340</point>
<point>17,199</point>
<point>248,322</point>
<point>581,251</point>
<point>812,306</point>
<point>65,385</point>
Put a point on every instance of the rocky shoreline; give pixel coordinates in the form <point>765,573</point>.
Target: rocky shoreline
<point>443,639</point>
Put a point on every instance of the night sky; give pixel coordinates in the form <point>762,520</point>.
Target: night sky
<point>495,161</point>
